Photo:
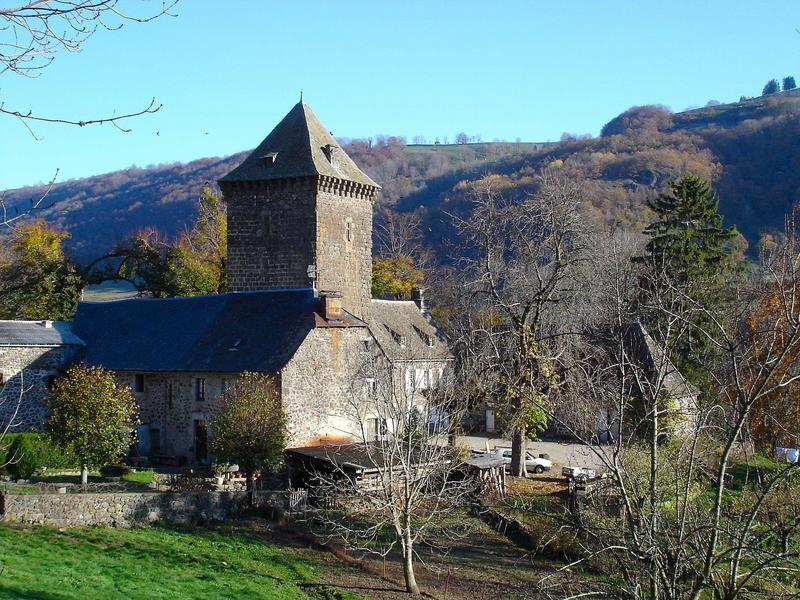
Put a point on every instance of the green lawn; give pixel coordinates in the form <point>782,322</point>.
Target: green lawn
<point>157,562</point>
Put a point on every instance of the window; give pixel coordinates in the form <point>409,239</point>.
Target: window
<point>200,389</point>
<point>155,441</point>
<point>409,376</point>
<point>366,345</point>
<point>170,395</point>
<point>349,230</point>
<point>401,340</point>
<point>375,429</point>
<point>372,387</point>
<point>422,379</point>
<point>138,383</point>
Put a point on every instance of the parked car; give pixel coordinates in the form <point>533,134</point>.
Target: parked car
<point>575,473</point>
<point>537,464</point>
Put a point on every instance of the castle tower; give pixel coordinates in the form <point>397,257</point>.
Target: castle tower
<point>299,207</point>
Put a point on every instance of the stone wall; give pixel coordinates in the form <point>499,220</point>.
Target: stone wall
<point>276,229</point>
<point>120,510</point>
<point>168,408</point>
<point>271,234</point>
<point>344,246</point>
<point>130,509</point>
<point>321,383</point>
<point>29,369</point>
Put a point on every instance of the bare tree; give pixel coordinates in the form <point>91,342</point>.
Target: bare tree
<point>520,260</point>
<point>410,481</point>
<point>31,35</point>
<point>687,524</point>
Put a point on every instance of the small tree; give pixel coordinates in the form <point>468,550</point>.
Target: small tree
<point>418,486</point>
<point>249,425</point>
<point>92,414</point>
<point>771,87</point>
<point>788,83</point>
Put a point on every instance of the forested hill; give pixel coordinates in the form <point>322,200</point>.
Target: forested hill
<point>749,149</point>
<point>99,211</point>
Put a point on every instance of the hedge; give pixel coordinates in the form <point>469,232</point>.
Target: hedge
<point>24,454</point>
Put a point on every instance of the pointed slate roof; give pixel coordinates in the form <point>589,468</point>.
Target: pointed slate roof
<point>299,146</point>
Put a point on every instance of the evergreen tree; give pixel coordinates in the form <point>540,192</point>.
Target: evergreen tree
<point>788,83</point>
<point>771,87</point>
<point>688,253</point>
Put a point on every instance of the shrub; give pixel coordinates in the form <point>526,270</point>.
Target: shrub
<point>29,453</point>
<point>114,470</point>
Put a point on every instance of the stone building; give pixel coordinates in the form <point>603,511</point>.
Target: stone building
<point>299,220</point>
<point>32,354</point>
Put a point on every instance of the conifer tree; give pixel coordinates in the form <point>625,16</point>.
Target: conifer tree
<point>688,253</point>
<point>789,83</point>
<point>771,87</point>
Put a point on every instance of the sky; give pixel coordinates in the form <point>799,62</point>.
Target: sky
<point>227,71</point>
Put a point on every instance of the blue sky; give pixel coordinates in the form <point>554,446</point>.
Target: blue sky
<point>227,71</point>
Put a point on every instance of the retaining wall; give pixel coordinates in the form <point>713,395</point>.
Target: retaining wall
<point>128,509</point>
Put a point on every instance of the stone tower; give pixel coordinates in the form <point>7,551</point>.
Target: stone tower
<point>299,208</point>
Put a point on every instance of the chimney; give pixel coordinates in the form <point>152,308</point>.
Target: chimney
<point>331,305</point>
<point>418,296</point>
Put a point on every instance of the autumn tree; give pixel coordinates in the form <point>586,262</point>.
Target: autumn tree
<point>37,279</point>
<point>194,264</point>
<point>92,415</point>
<point>249,426</point>
<point>520,259</point>
<point>395,277</point>
<point>197,262</point>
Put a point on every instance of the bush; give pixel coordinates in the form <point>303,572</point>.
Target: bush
<point>29,453</point>
<point>114,470</point>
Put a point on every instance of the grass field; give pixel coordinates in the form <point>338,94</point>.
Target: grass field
<point>156,562</point>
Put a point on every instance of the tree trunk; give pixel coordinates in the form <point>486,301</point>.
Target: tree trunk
<point>518,452</point>
<point>251,488</point>
<point>84,474</point>
<point>408,565</point>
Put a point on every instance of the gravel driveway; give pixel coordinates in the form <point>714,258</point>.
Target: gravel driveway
<point>561,453</point>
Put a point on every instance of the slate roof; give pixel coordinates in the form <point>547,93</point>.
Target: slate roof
<point>36,333</point>
<point>298,143</point>
<point>645,352</point>
<point>392,319</point>
<point>233,332</point>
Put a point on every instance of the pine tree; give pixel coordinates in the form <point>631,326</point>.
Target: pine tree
<point>688,250</point>
<point>771,87</point>
<point>788,83</point>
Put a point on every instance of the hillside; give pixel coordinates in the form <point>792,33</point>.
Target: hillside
<point>99,211</point>
<point>748,148</point>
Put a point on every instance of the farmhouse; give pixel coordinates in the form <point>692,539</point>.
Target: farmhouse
<point>299,221</point>
<point>32,354</point>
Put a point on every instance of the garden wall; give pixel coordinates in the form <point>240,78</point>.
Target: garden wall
<point>127,509</point>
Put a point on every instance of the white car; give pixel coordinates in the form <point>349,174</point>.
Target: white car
<point>533,463</point>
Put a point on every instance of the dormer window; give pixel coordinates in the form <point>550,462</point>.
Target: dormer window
<point>331,154</point>
<point>400,340</point>
<point>269,159</point>
<point>427,339</point>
